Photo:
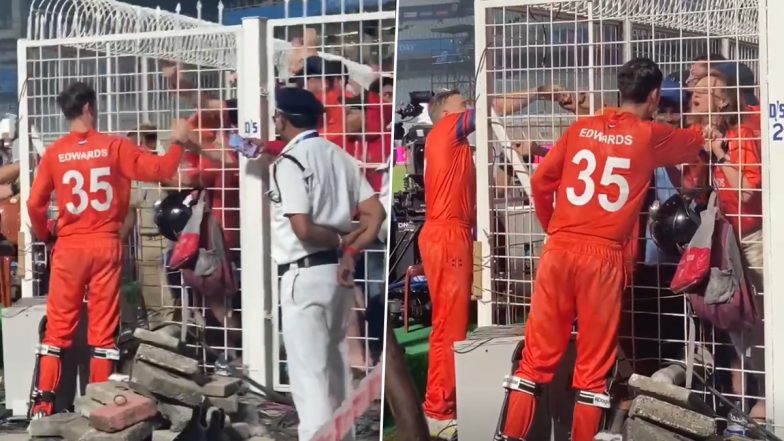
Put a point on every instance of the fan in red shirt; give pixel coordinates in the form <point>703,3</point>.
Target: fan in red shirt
<point>214,167</point>
<point>323,78</point>
<point>599,173</point>
<point>90,174</point>
<point>735,161</point>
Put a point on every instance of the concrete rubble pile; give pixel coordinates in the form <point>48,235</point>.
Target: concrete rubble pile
<point>165,391</point>
<point>665,412</point>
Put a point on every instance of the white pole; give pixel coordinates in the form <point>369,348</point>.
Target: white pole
<point>772,96</point>
<point>254,226</point>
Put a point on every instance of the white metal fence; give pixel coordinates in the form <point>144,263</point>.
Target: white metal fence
<point>579,45</point>
<point>127,53</point>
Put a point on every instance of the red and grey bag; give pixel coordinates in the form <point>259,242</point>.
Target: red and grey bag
<point>719,292</point>
<point>186,249</point>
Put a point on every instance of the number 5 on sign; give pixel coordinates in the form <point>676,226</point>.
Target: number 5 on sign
<point>100,193</point>
<point>609,178</point>
<point>251,127</point>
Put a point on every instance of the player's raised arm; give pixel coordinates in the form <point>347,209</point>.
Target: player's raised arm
<point>673,146</point>
<point>546,180</point>
<point>40,196</point>
<point>142,165</point>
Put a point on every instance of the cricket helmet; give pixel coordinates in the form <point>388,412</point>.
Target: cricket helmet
<point>172,213</point>
<point>673,223</point>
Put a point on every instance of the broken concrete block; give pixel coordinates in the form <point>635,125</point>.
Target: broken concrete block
<point>241,429</point>
<point>258,430</point>
<point>261,438</point>
<point>177,415</point>
<point>229,404</point>
<point>106,392</point>
<point>167,359</point>
<point>84,405</point>
<point>220,386</point>
<point>679,396</point>
<point>75,429</point>
<point>164,435</point>
<point>138,432</point>
<point>641,430</point>
<point>673,417</point>
<point>125,413</point>
<point>249,409</point>
<point>159,339</point>
<point>607,436</point>
<point>166,384</point>
<point>50,426</point>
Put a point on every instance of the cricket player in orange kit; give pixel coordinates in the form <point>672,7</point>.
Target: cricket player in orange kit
<point>445,245</point>
<point>588,193</point>
<point>90,174</point>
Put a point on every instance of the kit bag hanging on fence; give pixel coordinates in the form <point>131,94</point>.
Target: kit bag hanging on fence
<point>711,272</point>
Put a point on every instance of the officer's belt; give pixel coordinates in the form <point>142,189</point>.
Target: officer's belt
<point>315,259</point>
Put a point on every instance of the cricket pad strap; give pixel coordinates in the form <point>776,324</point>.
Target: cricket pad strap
<point>593,399</point>
<point>52,351</point>
<point>512,382</point>
<point>106,353</point>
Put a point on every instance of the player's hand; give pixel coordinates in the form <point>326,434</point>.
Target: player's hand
<point>181,131</point>
<point>171,72</point>
<point>346,271</point>
<point>552,92</point>
<point>572,101</point>
<point>713,140</point>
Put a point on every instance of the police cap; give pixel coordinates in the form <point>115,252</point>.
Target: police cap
<point>298,102</point>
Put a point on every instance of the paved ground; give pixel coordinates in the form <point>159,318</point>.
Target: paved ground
<point>14,437</point>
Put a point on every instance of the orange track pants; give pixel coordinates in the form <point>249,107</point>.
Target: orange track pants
<point>447,257</point>
<point>79,262</point>
<point>581,278</point>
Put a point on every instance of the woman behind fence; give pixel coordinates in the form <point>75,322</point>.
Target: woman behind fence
<point>735,172</point>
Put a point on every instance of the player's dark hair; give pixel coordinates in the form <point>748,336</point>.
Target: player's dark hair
<point>74,97</point>
<point>637,79</point>
<point>709,57</point>
<point>438,101</point>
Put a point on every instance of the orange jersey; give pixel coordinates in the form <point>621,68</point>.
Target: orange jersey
<point>594,181</point>
<point>743,151</point>
<point>91,175</point>
<point>450,175</point>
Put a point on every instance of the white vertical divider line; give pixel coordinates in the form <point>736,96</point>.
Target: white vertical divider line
<point>254,230</point>
<point>25,167</point>
<point>483,226</point>
<point>388,207</point>
<point>771,93</point>
<point>271,85</point>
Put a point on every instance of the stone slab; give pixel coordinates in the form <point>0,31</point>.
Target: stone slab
<point>220,386</point>
<point>167,359</point>
<point>640,430</point>
<point>679,396</point>
<point>159,339</point>
<point>674,418</point>
<point>51,425</point>
<point>229,404</point>
<point>167,384</point>
<point>116,417</point>
<point>178,416</point>
<point>85,405</point>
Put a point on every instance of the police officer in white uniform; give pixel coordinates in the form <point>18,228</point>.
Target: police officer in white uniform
<point>316,190</point>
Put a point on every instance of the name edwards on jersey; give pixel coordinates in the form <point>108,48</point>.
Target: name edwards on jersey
<point>83,156</point>
<point>606,139</point>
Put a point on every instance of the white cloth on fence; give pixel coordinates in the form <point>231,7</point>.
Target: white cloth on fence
<point>362,74</point>
<point>314,319</point>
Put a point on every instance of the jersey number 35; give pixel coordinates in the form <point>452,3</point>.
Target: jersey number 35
<point>99,194</point>
<point>608,178</point>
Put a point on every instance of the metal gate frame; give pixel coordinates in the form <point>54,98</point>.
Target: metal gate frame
<point>250,58</point>
<point>771,78</point>
<point>269,110</point>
